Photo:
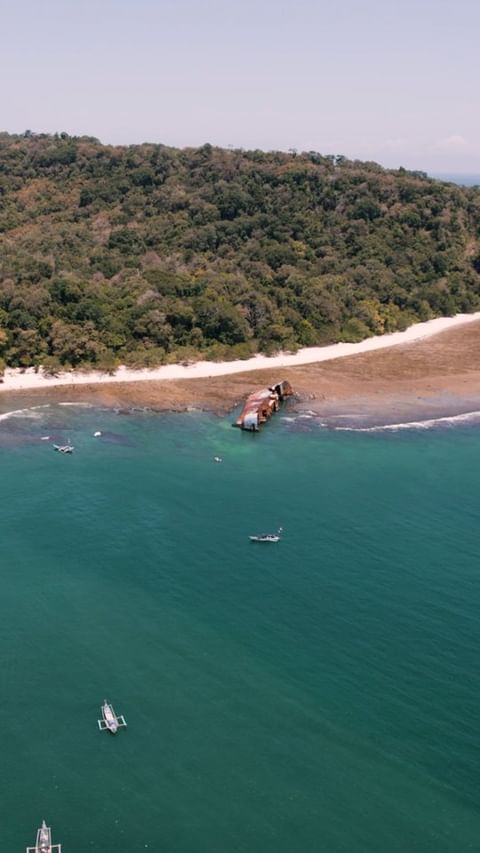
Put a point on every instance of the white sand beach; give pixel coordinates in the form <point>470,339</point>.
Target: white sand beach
<point>16,379</point>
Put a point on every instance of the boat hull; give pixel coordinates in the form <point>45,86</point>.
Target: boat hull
<point>264,539</point>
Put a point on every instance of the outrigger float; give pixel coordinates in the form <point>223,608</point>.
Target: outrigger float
<point>43,843</point>
<point>110,721</point>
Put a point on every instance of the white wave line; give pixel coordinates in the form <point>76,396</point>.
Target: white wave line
<point>22,413</point>
<point>78,405</point>
<point>426,424</point>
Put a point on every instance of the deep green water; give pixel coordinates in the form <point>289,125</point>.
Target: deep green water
<point>321,694</point>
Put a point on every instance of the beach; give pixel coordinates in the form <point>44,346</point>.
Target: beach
<point>430,370</point>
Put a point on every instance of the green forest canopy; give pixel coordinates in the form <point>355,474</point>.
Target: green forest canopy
<point>146,254</point>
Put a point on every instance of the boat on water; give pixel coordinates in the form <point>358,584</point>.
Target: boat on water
<point>43,843</point>
<point>110,721</point>
<point>267,537</point>
<point>44,838</point>
<point>64,448</point>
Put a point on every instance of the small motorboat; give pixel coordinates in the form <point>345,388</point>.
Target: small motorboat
<point>97,434</point>
<point>64,448</point>
<point>268,537</point>
<point>217,459</point>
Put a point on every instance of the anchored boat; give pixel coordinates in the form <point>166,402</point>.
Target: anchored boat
<point>43,843</point>
<point>64,448</point>
<point>267,537</point>
<point>110,721</point>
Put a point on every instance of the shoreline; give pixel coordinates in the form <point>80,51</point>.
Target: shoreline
<point>434,376</point>
<point>30,379</point>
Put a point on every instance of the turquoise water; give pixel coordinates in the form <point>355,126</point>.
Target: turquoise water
<point>321,694</point>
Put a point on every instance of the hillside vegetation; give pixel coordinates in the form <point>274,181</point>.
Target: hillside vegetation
<point>146,254</point>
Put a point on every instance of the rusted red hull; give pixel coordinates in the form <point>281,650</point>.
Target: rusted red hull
<point>261,405</point>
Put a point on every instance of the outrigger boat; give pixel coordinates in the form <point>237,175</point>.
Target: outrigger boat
<point>267,537</point>
<point>64,448</point>
<point>43,843</point>
<point>110,721</point>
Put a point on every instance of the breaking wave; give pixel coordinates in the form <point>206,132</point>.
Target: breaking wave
<point>78,405</point>
<point>31,413</point>
<point>431,423</point>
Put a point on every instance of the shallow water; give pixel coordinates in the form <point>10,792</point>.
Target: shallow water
<point>318,694</point>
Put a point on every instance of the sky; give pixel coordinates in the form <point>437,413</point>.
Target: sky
<point>384,80</point>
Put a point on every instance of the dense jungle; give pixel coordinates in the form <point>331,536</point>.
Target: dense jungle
<point>147,254</point>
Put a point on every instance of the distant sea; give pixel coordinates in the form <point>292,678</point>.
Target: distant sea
<point>462,180</point>
<point>320,694</point>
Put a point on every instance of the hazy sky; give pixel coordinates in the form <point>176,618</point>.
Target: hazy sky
<point>396,82</point>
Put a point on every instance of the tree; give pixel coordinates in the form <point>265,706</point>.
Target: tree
<point>148,252</point>
<point>73,344</point>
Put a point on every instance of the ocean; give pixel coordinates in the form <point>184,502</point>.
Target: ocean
<point>470,180</point>
<point>319,694</point>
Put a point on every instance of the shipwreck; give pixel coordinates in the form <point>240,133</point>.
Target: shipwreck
<point>261,405</point>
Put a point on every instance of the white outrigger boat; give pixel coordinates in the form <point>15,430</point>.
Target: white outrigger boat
<point>64,448</point>
<point>43,843</point>
<point>268,537</point>
<point>110,721</point>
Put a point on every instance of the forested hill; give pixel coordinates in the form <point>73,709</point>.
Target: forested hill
<point>146,253</point>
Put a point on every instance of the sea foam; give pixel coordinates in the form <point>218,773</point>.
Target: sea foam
<point>430,423</point>
<point>78,405</point>
<point>30,412</point>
